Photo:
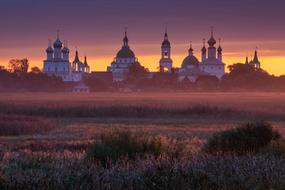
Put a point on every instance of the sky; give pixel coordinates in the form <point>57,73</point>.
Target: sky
<point>96,29</point>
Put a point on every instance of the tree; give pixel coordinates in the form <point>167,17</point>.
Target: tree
<point>245,76</point>
<point>207,82</point>
<point>36,70</point>
<point>18,66</point>
<point>136,74</point>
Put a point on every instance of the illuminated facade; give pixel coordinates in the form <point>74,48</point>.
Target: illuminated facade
<point>123,60</point>
<point>165,63</point>
<point>211,62</point>
<point>58,64</point>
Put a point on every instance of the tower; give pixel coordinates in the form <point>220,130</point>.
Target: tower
<point>220,51</point>
<point>212,49</point>
<point>255,62</point>
<point>57,48</point>
<point>76,63</point>
<point>65,52</point>
<point>165,61</point>
<point>86,66</point>
<point>49,52</point>
<point>204,51</point>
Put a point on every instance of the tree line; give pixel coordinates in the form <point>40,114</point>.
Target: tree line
<point>17,78</point>
<point>241,77</point>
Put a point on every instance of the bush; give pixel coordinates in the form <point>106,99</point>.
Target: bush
<point>250,138</point>
<point>117,144</point>
<point>276,148</point>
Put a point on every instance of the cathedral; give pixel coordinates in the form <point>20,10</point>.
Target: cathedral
<point>211,62</point>
<point>121,63</point>
<point>191,68</point>
<point>57,63</point>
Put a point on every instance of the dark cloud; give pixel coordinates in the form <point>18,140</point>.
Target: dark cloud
<point>30,22</point>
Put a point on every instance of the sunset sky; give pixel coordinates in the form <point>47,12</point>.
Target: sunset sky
<point>96,27</point>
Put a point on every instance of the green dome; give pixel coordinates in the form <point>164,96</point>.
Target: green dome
<point>190,60</point>
<point>125,52</point>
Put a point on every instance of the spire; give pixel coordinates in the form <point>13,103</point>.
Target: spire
<point>66,43</point>
<point>85,61</point>
<point>57,34</point>
<point>212,31</point>
<point>246,60</point>
<point>191,49</point>
<point>166,33</point>
<point>204,50</point>
<point>255,59</point>
<point>126,40</point>
<point>76,57</point>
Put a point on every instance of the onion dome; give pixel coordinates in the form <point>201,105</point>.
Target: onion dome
<point>220,48</point>
<point>212,40</point>
<point>190,59</point>
<point>65,49</point>
<point>57,43</point>
<point>49,50</point>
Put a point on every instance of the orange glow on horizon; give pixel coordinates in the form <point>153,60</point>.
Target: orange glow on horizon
<point>271,60</point>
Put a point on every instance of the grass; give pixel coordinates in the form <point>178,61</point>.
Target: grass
<point>16,125</point>
<point>56,158</point>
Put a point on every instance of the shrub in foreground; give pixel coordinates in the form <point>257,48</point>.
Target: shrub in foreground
<point>117,144</point>
<point>249,138</point>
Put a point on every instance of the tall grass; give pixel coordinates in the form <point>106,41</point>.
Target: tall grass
<point>15,125</point>
<point>70,111</point>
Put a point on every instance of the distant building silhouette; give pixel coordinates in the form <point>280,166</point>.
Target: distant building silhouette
<point>58,64</point>
<point>165,63</point>
<point>211,65</point>
<point>121,63</point>
<point>255,62</point>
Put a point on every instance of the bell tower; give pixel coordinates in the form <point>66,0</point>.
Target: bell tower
<point>165,63</point>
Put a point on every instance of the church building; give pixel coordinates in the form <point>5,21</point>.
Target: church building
<point>211,62</point>
<point>255,61</point>
<point>58,64</point>
<point>123,60</point>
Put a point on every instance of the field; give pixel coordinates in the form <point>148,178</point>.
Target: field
<point>44,139</point>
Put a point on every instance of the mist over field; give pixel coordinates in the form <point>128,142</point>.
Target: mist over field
<point>142,140</point>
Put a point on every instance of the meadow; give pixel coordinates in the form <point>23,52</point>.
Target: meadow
<point>45,138</point>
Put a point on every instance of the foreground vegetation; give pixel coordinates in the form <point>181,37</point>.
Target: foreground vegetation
<point>122,160</point>
<point>137,142</point>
